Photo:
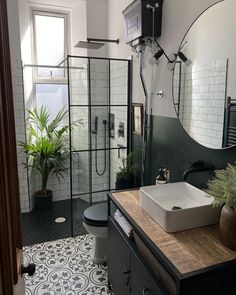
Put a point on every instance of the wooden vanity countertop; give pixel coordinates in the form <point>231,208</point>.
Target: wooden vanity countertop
<point>188,250</point>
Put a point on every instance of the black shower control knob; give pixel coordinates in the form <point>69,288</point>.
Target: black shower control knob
<point>30,269</point>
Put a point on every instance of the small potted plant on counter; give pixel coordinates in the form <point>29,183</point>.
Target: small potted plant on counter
<point>125,176</point>
<point>47,150</point>
<point>223,188</point>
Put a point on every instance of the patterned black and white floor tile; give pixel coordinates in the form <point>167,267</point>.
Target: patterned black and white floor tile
<point>64,267</point>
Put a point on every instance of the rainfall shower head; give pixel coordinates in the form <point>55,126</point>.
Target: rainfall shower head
<point>89,45</point>
<point>93,43</point>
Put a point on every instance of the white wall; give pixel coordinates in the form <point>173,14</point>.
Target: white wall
<point>89,20</point>
<point>78,27</point>
<point>25,31</point>
<point>14,36</point>
<point>17,83</point>
<point>202,102</point>
<point>217,42</point>
<point>116,28</point>
<point>97,24</point>
<point>177,17</point>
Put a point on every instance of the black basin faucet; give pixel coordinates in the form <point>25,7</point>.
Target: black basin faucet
<point>198,166</point>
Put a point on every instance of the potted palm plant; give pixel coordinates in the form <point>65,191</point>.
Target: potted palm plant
<point>223,188</point>
<point>125,175</point>
<point>47,150</point>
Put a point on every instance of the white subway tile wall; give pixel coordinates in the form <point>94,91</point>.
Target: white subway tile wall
<point>99,75</point>
<point>119,96</point>
<point>202,106</point>
<point>18,96</point>
<point>99,79</point>
<point>61,189</point>
<point>80,173</point>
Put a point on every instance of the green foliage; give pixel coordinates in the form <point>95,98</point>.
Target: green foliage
<point>128,167</point>
<point>47,146</point>
<point>223,187</point>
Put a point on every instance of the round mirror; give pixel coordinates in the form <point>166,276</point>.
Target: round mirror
<point>204,79</point>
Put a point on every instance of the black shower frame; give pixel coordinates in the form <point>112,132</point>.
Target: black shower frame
<point>177,104</point>
<point>90,106</point>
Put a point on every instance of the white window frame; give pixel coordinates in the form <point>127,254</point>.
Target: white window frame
<point>44,12</point>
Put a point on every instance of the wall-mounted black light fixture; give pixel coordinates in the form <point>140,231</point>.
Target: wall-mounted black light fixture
<point>158,54</point>
<point>171,61</point>
<point>184,58</point>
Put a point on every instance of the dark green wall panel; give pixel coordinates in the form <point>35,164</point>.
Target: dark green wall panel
<point>137,147</point>
<point>171,147</point>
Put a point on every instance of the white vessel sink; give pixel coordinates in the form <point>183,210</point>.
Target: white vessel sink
<point>178,206</point>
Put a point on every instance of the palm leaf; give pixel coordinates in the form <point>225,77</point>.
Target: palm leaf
<point>40,119</point>
<point>60,117</point>
<point>47,146</point>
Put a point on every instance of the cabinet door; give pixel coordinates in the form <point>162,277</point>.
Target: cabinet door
<point>118,262</point>
<point>141,282</point>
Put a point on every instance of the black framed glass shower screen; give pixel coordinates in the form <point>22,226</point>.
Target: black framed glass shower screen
<point>99,101</point>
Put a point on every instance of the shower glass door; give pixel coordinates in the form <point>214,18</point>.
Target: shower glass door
<point>99,105</point>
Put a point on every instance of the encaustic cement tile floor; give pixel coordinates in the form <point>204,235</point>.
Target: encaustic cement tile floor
<point>64,267</point>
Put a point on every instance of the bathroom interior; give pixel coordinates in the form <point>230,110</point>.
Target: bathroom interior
<point>147,87</point>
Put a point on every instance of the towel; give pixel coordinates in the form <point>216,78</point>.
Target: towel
<point>124,224</point>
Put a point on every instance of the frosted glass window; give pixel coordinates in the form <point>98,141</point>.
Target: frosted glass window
<point>50,45</point>
<point>53,96</point>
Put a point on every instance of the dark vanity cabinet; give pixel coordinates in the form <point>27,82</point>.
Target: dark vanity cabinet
<point>137,266</point>
<point>140,281</point>
<point>127,273</point>
<point>119,261</point>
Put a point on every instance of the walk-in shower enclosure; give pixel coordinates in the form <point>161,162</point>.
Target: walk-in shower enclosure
<point>99,96</point>
<point>97,93</point>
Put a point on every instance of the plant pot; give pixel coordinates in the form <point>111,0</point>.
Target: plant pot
<point>124,183</point>
<point>228,227</point>
<point>43,202</point>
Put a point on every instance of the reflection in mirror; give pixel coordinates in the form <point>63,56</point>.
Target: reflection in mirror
<point>205,91</point>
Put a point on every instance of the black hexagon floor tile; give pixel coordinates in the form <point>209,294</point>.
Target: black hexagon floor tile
<point>40,226</point>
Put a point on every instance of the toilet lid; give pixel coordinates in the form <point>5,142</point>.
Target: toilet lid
<point>96,215</point>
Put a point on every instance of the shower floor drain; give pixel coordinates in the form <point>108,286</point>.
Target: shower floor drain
<point>60,220</point>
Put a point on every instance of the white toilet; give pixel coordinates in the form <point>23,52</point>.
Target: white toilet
<point>95,220</point>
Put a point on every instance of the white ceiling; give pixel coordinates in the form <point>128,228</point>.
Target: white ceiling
<point>63,3</point>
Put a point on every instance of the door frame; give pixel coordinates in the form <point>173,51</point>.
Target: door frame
<point>10,230</point>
